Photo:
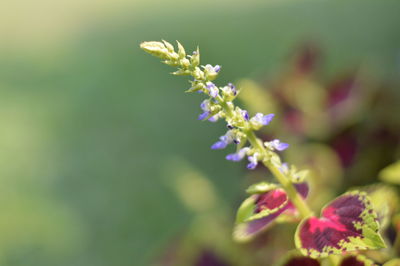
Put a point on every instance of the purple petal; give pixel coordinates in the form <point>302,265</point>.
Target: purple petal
<point>284,168</point>
<point>282,146</point>
<point>209,85</point>
<point>219,145</point>
<point>234,157</point>
<point>267,119</point>
<point>214,118</point>
<point>252,165</point>
<point>212,89</point>
<point>245,115</point>
<point>238,155</point>
<point>204,105</point>
<point>217,68</point>
<point>203,115</point>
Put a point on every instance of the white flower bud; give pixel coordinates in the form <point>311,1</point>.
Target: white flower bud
<point>155,48</point>
<point>181,50</point>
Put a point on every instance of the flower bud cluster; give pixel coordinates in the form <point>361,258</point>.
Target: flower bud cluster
<point>219,104</point>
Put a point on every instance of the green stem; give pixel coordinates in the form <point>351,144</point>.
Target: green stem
<point>294,197</point>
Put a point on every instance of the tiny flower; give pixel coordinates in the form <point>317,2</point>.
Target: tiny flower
<point>206,107</point>
<point>233,88</point>
<point>245,114</point>
<point>253,161</point>
<point>211,72</point>
<point>204,115</point>
<point>264,120</point>
<point>214,118</point>
<point>276,144</point>
<point>284,168</point>
<point>223,141</point>
<point>229,91</point>
<point>212,89</point>
<point>212,69</point>
<point>238,155</point>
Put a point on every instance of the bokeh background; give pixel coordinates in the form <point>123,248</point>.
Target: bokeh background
<point>102,159</point>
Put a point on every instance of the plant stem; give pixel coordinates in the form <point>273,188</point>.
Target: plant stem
<point>291,191</point>
<point>294,197</point>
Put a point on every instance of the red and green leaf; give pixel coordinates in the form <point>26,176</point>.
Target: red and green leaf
<point>295,259</point>
<point>348,223</point>
<point>301,261</point>
<point>358,260</point>
<point>262,208</point>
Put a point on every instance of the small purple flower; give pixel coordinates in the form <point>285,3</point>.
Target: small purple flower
<point>219,145</point>
<point>203,115</point>
<point>205,106</point>
<point>214,118</point>
<point>253,161</point>
<point>212,89</point>
<point>281,146</point>
<point>239,155</point>
<point>261,120</point>
<point>245,115</point>
<point>276,144</point>
<point>223,141</point>
<point>229,91</point>
<point>267,119</point>
<point>212,69</point>
<point>284,168</point>
<point>233,88</point>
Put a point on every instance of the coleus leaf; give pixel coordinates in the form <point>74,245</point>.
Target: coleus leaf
<point>391,174</point>
<point>393,262</point>
<point>348,223</point>
<point>351,260</point>
<point>385,202</point>
<point>259,210</point>
<point>301,261</point>
<point>358,260</point>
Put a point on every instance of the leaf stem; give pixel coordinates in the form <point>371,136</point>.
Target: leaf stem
<point>294,197</point>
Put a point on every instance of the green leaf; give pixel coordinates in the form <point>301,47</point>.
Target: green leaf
<point>261,187</point>
<point>391,174</point>
<point>393,262</point>
<point>246,209</point>
<point>354,260</point>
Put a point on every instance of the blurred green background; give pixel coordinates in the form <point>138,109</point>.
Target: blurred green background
<point>92,129</point>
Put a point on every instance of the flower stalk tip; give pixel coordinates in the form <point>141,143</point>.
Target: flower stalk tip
<point>219,104</point>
